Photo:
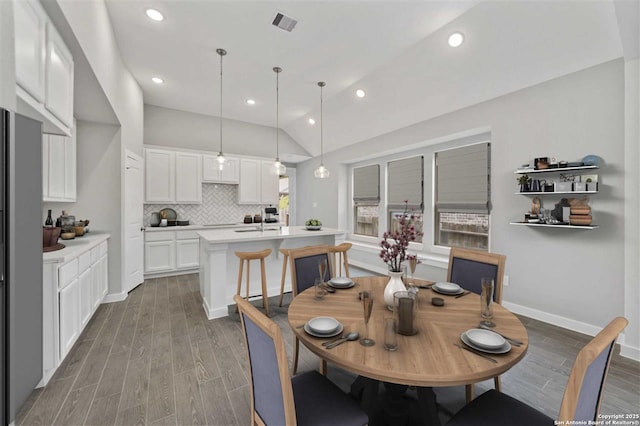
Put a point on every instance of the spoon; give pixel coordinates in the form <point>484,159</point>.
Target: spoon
<point>335,339</point>
<point>350,338</point>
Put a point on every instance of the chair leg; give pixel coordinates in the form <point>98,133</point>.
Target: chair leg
<point>296,349</point>
<point>284,276</point>
<point>346,264</point>
<point>265,297</point>
<point>248,274</point>
<point>497,383</point>
<point>469,392</point>
<point>323,367</point>
<point>239,279</point>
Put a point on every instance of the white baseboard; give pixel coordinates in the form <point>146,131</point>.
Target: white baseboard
<point>564,322</point>
<point>214,313</point>
<point>151,275</point>
<point>115,297</point>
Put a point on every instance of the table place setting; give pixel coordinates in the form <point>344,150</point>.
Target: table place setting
<point>448,289</point>
<point>323,327</point>
<point>340,282</point>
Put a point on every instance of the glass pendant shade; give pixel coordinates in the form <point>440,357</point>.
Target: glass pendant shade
<point>321,172</point>
<point>220,158</point>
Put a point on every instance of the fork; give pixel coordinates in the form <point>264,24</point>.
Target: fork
<point>476,352</point>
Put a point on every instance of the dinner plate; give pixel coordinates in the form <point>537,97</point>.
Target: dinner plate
<point>323,325</point>
<point>446,293</point>
<point>335,333</point>
<point>502,350</point>
<point>485,338</point>
<point>340,286</point>
<point>446,287</point>
<point>341,282</point>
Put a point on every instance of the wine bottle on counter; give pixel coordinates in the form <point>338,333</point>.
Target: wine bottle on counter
<point>49,222</point>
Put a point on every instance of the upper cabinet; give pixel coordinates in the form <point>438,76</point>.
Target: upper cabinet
<point>258,182</point>
<point>172,177</point>
<point>44,68</point>
<point>59,168</point>
<point>211,172</point>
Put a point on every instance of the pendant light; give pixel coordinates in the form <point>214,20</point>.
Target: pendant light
<point>321,172</point>
<point>220,158</point>
<point>281,169</point>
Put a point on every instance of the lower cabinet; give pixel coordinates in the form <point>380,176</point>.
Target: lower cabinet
<point>69,306</point>
<point>171,252</point>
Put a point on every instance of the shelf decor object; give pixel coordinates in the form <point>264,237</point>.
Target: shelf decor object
<point>321,172</point>
<point>220,156</point>
<point>281,169</point>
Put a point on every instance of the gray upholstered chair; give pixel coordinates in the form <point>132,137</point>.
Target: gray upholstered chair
<point>582,396</point>
<point>276,398</point>
<point>304,271</point>
<point>467,268</point>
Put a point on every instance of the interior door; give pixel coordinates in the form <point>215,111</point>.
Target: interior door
<point>133,207</point>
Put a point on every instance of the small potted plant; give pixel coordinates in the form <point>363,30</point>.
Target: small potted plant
<point>524,182</point>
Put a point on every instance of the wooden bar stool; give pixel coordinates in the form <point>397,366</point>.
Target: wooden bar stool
<point>341,251</point>
<point>285,260</point>
<point>249,256</point>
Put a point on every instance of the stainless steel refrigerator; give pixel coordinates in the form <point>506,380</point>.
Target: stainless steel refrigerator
<point>20,260</point>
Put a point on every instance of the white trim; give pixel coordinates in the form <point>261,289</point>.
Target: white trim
<point>152,275</point>
<point>214,313</point>
<point>115,297</point>
<point>569,324</point>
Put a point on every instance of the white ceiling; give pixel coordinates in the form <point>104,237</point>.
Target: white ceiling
<point>395,50</point>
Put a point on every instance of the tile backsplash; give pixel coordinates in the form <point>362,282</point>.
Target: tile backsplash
<point>219,205</point>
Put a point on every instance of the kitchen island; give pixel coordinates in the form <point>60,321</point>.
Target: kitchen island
<point>219,264</point>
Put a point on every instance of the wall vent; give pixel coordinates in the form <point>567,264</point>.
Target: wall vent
<point>284,22</point>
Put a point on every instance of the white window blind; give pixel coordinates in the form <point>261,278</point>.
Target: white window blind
<point>405,183</point>
<point>366,184</point>
<point>462,179</point>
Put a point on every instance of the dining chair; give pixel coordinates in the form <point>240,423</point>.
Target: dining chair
<point>340,251</point>
<point>304,271</point>
<point>467,268</point>
<point>582,396</point>
<point>276,397</point>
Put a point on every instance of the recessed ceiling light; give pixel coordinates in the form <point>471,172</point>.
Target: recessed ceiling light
<point>361,93</point>
<point>154,14</point>
<point>251,101</point>
<point>456,39</point>
<point>312,121</point>
<point>157,80</point>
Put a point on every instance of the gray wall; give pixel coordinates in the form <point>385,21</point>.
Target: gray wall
<point>7,53</point>
<point>181,129</point>
<point>571,277</point>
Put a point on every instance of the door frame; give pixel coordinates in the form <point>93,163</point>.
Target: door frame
<point>126,286</point>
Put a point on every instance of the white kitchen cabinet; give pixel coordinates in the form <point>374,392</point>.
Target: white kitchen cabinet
<point>188,178</point>
<point>172,177</point>
<point>44,68</point>
<point>258,182</point>
<point>159,256</point>
<point>187,254</point>
<point>85,281</point>
<point>59,168</point>
<point>211,172</point>
<point>30,23</point>
<point>103,286</point>
<point>59,78</point>
<point>69,304</point>
<point>159,176</point>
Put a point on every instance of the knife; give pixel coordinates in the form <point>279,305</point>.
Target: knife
<point>476,352</point>
<point>513,341</point>
<point>462,294</point>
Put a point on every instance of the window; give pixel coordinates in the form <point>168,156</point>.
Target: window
<point>405,185</point>
<point>463,196</point>
<point>366,198</point>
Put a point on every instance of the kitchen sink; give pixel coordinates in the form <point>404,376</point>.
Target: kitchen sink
<point>256,230</point>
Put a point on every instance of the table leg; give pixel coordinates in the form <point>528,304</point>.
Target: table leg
<point>365,390</point>
<point>428,406</point>
<point>395,407</point>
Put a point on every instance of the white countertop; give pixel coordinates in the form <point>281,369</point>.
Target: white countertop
<point>286,232</point>
<point>74,248</point>
<point>195,227</point>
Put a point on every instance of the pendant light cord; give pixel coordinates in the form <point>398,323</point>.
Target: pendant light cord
<point>277,70</point>
<point>221,55</point>
<point>321,134</point>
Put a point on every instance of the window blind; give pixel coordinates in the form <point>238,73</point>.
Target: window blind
<point>462,179</point>
<point>405,183</point>
<point>366,184</point>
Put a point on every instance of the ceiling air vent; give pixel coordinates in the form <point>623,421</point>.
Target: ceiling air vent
<point>284,22</point>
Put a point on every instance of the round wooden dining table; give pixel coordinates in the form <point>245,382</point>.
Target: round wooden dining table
<point>430,358</point>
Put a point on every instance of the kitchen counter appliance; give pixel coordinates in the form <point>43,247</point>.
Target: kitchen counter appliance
<point>270,214</point>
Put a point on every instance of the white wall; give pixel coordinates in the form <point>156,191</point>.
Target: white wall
<point>170,127</point>
<point>7,53</point>
<point>574,278</point>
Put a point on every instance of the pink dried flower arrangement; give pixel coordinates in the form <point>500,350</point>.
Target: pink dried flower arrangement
<point>394,252</point>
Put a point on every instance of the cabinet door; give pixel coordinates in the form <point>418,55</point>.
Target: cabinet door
<point>86,296</point>
<point>159,256</point>
<point>159,176</point>
<point>69,303</point>
<point>188,178</point>
<point>59,78</point>
<point>210,169</point>
<point>230,172</point>
<point>269,183</point>
<point>57,166</point>
<point>187,254</point>
<point>104,277</point>
<point>45,166</point>
<point>249,187</point>
<point>30,38</point>
<point>70,167</point>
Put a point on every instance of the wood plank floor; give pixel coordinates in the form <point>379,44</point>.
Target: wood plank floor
<point>155,359</point>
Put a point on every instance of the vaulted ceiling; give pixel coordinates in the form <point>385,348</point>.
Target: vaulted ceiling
<point>396,51</point>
